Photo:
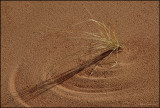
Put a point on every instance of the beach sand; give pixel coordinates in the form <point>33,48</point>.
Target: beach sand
<point>33,44</point>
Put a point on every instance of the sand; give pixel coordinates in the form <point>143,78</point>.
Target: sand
<point>30,51</point>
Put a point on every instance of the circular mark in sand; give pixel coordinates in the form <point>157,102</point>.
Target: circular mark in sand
<point>79,90</point>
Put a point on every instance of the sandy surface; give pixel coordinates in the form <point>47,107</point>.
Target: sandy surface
<point>30,51</point>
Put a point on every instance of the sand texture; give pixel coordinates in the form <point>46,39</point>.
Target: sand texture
<point>43,67</point>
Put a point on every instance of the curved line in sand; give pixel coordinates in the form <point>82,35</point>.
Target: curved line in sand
<point>12,88</point>
<point>107,96</point>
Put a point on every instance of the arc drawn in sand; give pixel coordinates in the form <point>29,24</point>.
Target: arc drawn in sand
<point>13,90</point>
<point>50,83</point>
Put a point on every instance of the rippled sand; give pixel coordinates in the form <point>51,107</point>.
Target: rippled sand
<point>30,51</point>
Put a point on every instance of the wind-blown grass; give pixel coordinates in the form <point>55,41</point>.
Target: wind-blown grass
<point>105,37</point>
